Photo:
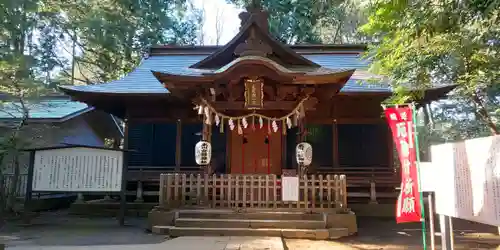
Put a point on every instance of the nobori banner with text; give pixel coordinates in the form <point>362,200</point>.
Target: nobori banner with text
<point>402,127</point>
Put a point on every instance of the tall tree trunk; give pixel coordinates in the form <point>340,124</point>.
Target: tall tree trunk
<point>11,200</point>
<point>482,112</point>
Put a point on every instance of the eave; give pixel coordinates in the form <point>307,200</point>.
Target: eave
<point>238,67</point>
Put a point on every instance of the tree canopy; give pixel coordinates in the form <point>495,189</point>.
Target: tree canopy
<point>313,22</point>
<point>425,43</point>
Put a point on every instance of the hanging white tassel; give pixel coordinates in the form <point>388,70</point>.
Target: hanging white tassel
<point>261,122</point>
<point>288,122</point>
<point>217,120</point>
<point>240,130</point>
<point>207,112</point>
<point>231,124</point>
<point>269,126</point>
<point>244,122</point>
<point>275,126</point>
<point>200,110</point>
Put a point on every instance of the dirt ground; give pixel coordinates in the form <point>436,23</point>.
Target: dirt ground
<point>384,233</point>
<point>60,229</point>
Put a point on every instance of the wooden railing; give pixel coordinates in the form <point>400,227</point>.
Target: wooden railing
<point>249,191</point>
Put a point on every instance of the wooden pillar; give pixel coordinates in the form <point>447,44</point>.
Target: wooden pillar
<point>123,193</point>
<point>228,134</point>
<point>178,148</point>
<point>283,148</point>
<point>205,136</point>
<point>335,153</point>
<point>390,146</point>
<point>139,193</point>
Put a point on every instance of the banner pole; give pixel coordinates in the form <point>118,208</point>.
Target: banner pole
<point>417,149</point>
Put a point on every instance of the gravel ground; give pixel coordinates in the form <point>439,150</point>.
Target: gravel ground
<point>58,230</point>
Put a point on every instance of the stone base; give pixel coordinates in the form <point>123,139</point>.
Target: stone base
<point>158,217</point>
<point>342,220</point>
<point>311,234</point>
<point>213,222</point>
<point>110,208</point>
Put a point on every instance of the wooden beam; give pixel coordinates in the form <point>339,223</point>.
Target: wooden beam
<point>390,146</point>
<point>268,105</point>
<point>178,148</point>
<point>228,132</point>
<point>335,153</point>
<point>283,147</point>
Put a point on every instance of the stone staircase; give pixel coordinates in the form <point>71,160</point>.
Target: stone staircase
<point>206,222</point>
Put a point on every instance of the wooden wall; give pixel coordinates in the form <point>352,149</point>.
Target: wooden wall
<point>347,131</point>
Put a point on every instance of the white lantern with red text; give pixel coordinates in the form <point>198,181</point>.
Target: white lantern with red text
<point>203,153</point>
<point>303,153</point>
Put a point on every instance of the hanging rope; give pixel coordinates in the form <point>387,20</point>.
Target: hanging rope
<point>206,104</point>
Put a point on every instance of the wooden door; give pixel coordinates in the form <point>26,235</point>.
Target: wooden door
<point>254,156</point>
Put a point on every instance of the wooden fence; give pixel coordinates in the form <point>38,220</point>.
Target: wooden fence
<point>6,182</point>
<point>249,191</point>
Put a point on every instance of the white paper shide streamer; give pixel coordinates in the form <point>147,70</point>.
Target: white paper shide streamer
<point>217,120</point>
<point>289,122</point>
<point>244,122</point>
<point>275,126</point>
<point>211,116</point>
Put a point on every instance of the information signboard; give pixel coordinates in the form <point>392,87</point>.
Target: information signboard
<point>468,186</point>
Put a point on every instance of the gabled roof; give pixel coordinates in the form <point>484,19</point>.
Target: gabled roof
<point>228,53</point>
<point>177,60</point>
<point>56,109</point>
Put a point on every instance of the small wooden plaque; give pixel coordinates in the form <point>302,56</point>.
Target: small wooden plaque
<point>289,172</point>
<point>254,93</point>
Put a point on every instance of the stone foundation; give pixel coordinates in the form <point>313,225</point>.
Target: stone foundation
<point>318,225</point>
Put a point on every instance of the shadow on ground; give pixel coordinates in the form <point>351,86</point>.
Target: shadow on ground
<point>384,233</point>
<point>61,229</point>
<point>58,230</point>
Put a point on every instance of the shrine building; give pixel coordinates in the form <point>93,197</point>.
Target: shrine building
<point>254,100</point>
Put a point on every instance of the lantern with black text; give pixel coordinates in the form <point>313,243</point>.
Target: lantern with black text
<point>203,153</point>
<point>303,152</point>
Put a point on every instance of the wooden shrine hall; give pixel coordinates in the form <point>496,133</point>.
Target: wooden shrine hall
<point>253,100</point>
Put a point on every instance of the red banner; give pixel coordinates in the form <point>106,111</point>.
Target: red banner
<point>401,123</point>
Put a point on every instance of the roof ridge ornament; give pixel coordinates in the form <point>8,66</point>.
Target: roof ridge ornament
<point>255,13</point>
<point>253,46</point>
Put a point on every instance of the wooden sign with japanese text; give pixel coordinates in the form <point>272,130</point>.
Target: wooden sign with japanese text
<point>290,185</point>
<point>77,170</point>
<point>254,93</point>
<point>408,205</point>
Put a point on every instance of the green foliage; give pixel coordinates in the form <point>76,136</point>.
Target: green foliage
<point>109,36</point>
<point>312,22</point>
<point>424,43</point>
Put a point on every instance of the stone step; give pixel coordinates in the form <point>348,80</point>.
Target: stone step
<point>260,215</point>
<point>245,223</point>
<point>313,234</point>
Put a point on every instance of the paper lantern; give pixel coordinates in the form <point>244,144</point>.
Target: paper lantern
<point>304,152</point>
<point>203,152</point>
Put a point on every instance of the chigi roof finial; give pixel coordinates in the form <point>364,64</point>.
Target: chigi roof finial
<point>254,10</point>
<point>255,4</point>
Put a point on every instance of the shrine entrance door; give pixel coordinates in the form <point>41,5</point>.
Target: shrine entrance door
<point>252,153</point>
